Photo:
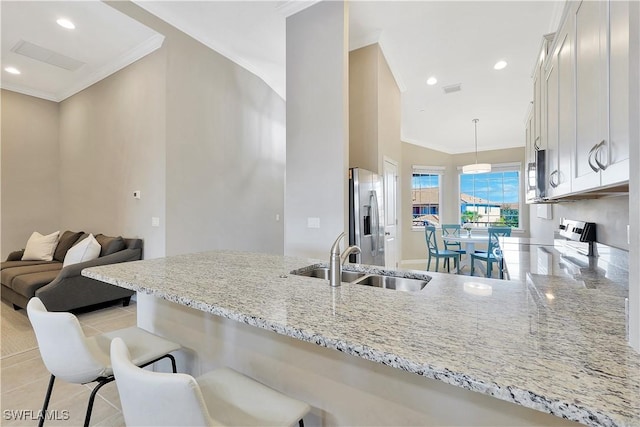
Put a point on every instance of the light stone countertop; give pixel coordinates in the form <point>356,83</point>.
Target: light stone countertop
<point>566,356</point>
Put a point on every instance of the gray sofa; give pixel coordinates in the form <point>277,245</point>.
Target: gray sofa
<point>64,289</point>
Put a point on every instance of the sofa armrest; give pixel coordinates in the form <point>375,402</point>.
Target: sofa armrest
<point>120,256</point>
<point>15,255</point>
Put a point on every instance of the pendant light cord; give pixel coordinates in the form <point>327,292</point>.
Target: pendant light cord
<point>475,126</point>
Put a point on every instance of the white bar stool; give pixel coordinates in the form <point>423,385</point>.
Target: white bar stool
<point>71,356</point>
<point>221,397</point>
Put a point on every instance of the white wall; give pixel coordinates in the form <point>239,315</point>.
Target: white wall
<point>317,128</point>
<point>30,190</point>
<point>225,154</point>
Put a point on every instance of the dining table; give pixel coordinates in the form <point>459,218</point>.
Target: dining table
<point>469,241</point>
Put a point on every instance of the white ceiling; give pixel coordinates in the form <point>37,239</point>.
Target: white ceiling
<point>458,42</point>
<point>104,40</point>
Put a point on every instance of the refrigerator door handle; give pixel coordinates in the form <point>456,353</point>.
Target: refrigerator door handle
<point>375,226</point>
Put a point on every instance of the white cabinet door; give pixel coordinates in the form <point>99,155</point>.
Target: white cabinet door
<point>564,62</point>
<point>551,86</point>
<point>591,91</point>
<point>615,154</point>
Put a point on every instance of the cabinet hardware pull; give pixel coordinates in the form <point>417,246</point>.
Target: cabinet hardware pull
<point>599,147</point>
<point>552,182</point>
<point>590,158</point>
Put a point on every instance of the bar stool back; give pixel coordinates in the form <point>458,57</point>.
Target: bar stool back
<point>220,397</point>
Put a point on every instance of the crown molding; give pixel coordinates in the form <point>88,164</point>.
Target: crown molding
<point>448,150</point>
<point>138,52</point>
<point>29,91</point>
<point>291,7</point>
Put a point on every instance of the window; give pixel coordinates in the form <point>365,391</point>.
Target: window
<point>493,198</point>
<point>426,195</point>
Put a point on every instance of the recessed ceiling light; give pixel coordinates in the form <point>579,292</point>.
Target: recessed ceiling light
<point>12,70</point>
<point>500,65</point>
<point>65,23</point>
<point>431,81</point>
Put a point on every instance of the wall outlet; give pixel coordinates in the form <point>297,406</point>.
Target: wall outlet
<point>136,194</point>
<point>155,221</point>
<point>277,217</point>
<point>313,222</point>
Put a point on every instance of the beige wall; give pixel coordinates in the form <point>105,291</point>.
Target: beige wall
<point>199,136</point>
<point>374,110</point>
<point>112,143</point>
<point>363,108</point>
<point>30,163</point>
<point>389,113</point>
<point>413,241</point>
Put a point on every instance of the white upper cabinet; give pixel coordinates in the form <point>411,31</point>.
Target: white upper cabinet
<point>560,113</point>
<point>585,102</point>
<point>615,156</point>
<point>591,93</point>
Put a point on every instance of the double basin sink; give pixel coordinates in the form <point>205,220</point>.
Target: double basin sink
<point>375,280</point>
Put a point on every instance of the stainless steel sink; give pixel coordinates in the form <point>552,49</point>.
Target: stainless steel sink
<point>390,282</point>
<point>375,280</point>
<point>323,273</point>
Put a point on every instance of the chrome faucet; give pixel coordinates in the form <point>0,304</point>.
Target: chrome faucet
<point>336,260</point>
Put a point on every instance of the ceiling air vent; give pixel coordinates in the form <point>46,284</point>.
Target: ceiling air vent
<point>453,88</point>
<point>43,54</point>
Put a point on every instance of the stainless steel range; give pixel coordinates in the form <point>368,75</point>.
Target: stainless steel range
<point>579,231</point>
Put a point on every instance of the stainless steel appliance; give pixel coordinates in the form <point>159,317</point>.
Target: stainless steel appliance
<point>366,220</point>
<point>536,178</point>
<point>579,231</point>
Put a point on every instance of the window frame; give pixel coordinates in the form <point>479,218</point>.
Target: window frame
<point>501,167</point>
<point>430,170</point>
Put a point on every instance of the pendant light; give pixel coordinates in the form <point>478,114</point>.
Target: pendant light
<point>476,167</point>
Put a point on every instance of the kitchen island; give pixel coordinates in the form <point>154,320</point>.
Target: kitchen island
<point>462,351</point>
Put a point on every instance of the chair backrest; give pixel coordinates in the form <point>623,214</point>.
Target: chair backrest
<point>450,230</point>
<point>65,351</point>
<point>156,398</point>
<point>495,233</point>
<point>430,236</point>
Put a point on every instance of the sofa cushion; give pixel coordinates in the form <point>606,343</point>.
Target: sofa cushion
<point>110,245</point>
<point>68,239</point>
<point>8,275</point>
<point>40,247</point>
<point>86,250</point>
<point>12,264</point>
<point>28,284</point>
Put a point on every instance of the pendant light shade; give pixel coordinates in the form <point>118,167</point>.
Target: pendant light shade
<point>476,167</point>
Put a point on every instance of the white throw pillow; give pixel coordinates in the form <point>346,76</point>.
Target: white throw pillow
<point>40,248</point>
<point>86,250</point>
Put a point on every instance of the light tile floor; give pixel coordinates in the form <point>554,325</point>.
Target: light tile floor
<point>24,380</point>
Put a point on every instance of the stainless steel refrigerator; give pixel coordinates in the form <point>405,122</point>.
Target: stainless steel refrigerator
<point>366,219</point>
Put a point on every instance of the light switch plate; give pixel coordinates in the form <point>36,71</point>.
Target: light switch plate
<point>313,222</point>
<point>136,194</point>
<point>155,221</point>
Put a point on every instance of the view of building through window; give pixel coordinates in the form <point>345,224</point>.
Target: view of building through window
<point>485,199</point>
<point>425,192</point>
<point>490,199</point>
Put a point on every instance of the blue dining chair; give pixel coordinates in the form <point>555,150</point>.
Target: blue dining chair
<point>495,233</point>
<point>451,230</point>
<point>433,251</point>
